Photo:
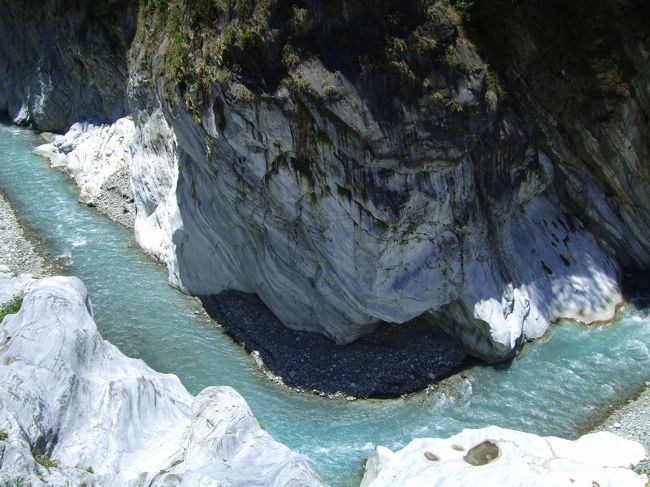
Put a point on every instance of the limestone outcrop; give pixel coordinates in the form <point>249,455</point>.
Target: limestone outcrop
<point>494,456</point>
<point>354,162</point>
<point>74,410</point>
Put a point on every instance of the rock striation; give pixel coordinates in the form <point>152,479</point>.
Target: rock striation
<point>356,163</point>
<point>586,87</point>
<point>344,194</point>
<point>64,61</point>
<point>496,456</point>
<point>74,410</point>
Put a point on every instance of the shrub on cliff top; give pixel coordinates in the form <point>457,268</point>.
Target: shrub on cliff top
<point>12,307</point>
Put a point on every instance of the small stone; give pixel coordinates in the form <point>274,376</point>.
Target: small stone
<point>431,456</point>
<point>617,425</point>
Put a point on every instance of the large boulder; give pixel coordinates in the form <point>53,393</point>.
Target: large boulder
<point>494,456</point>
<point>73,409</point>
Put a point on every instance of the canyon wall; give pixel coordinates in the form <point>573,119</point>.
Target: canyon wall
<point>372,174</point>
<point>64,61</point>
<point>355,162</point>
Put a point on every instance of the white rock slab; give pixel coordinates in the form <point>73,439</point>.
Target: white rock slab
<point>597,459</point>
<point>91,153</point>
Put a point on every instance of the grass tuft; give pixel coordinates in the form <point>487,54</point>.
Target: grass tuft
<point>43,460</point>
<point>12,307</point>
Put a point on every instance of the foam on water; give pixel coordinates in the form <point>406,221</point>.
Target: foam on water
<point>558,385</point>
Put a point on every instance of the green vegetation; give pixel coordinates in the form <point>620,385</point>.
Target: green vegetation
<point>12,307</point>
<point>298,85</point>
<point>214,43</point>
<point>291,56</point>
<point>299,20</point>
<point>463,7</point>
<point>493,88</point>
<point>43,459</point>
<point>249,41</point>
<point>89,470</point>
<point>3,435</point>
<point>455,105</point>
<point>439,97</point>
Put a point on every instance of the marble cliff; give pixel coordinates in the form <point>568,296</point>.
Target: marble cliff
<point>354,162</point>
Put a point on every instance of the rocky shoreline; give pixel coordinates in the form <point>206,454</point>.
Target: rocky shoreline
<point>97,159</point>
<point>397,359</point>
<point>75,411</point>
<point>393,360</point>
<point>19,255</point>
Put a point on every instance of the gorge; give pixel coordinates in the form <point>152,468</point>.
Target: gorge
<point>347,186</point>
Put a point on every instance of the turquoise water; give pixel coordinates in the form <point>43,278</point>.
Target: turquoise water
<point>557,385</point>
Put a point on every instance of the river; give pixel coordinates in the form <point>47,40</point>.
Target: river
<point>559,385</point>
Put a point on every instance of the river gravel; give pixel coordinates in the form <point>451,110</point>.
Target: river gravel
<point>17,255</point>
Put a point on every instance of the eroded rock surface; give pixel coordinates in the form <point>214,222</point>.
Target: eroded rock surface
<point>351,188</point>
<point>65,61</point>
<point>73,409</point>
<point>494,456</point>
<point>98,158</point>
<point>353,163</point>
<point>586,87</point>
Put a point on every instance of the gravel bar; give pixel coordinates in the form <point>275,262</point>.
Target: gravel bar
<point>17,255</point>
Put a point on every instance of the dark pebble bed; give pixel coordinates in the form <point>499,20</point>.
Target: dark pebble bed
<point>392,361</point>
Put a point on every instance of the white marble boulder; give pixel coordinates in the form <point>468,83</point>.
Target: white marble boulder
<point>495,456</point>
<point>74,410</point>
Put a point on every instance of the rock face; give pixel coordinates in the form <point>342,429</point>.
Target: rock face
<point>586,86</point>
<point>496,456</point>
<point>64,61</point>
<point>74,410</point>
<point>347,187</point>
<point>355,162</point>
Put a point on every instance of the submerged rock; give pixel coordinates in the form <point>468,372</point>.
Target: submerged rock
<point>73,409</point>
<point>494,456</point>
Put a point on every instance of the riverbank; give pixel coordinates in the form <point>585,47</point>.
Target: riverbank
<point>394,360</point>
<point>19,255</point>
<point>570,362</point>
<point>632,421</point>
<point>97,159</point>
<point>391,361</point>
